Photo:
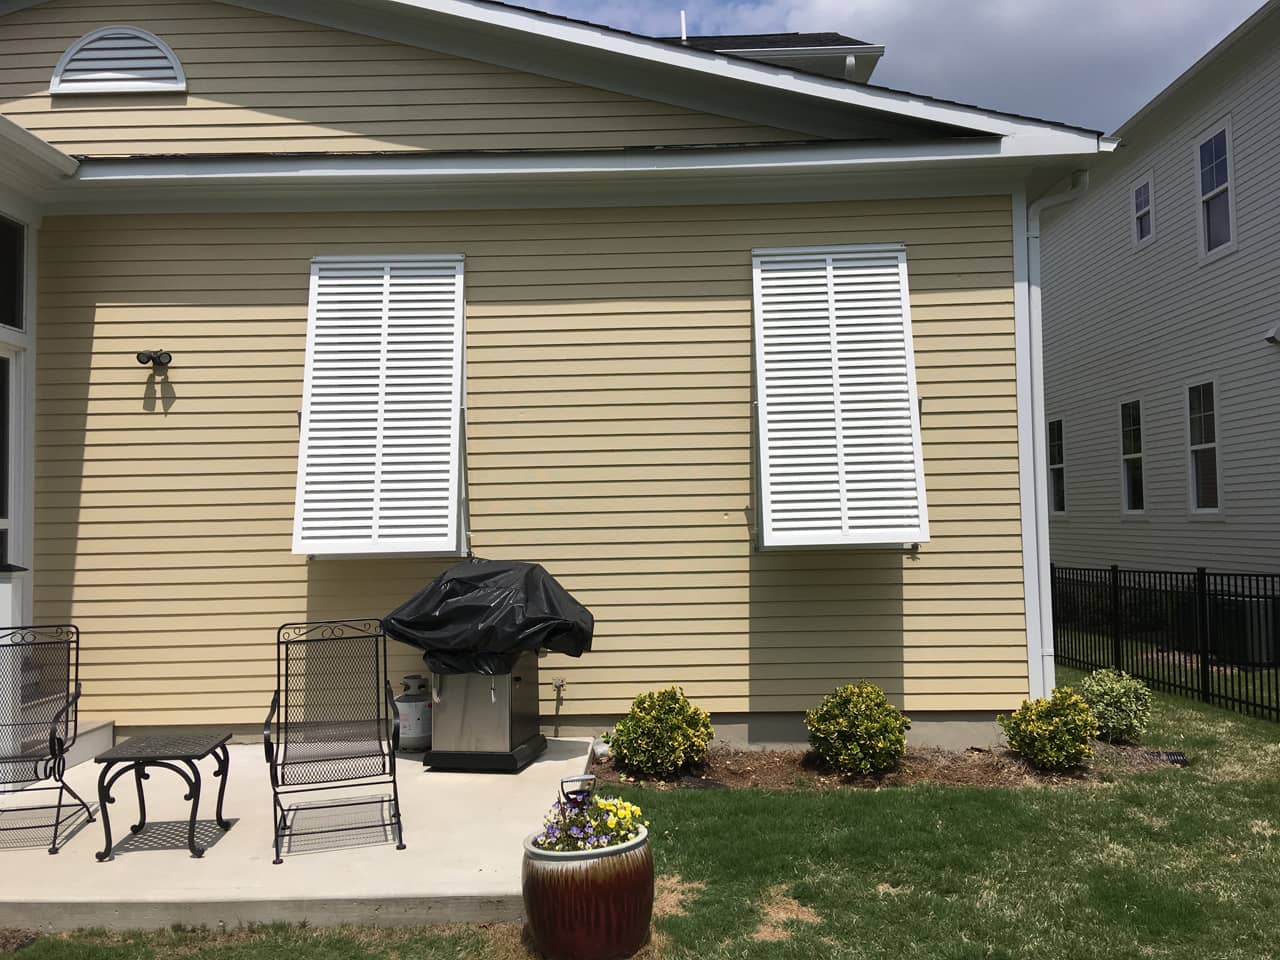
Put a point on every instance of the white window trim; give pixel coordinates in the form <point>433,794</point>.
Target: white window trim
<point>900,536</point>
<point>1207,255</point>
<point>1141,456</point>
<point>1195,511</point>
<point>329,549</point>
<point>1050,466</point>
<point>19,347</point>
<point>1143,242</point>
<point>176,85</point>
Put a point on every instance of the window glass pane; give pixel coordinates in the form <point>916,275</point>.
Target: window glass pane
<point>1217,221</point>
<point>1206,398</point>
<point>1059,479</point>
<point>1206,154</point>
<point>1205,465</point>
<point>1055,442</point>
<point>1133,499</point>
<point>5,413</point>
<point>12,272</point>
<point>1131,427</point>
<point>1142,198</point>
<point>1220,172</point>
<point>1144,226</point>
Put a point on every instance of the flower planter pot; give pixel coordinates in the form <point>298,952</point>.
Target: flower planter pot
<point>589,904</point>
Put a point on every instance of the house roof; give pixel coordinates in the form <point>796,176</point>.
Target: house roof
<point>777,94</point>
<point>766,41</point>
<point>1188,76</point>
<point>728,84</point>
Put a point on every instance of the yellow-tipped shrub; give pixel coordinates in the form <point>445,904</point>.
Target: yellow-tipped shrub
<point>1052,733</point>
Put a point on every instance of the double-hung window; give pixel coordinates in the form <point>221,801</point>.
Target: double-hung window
<point>1132,492</point>
<point>1057,469</point>
<point>837,416</point>
<point>1143,211</point>
<point>1214,180</point>
<point>1202,432</point>
<point>380,455</point>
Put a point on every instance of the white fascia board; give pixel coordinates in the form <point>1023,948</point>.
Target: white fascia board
<point>352,167</point>
<point>30,151</point>
<point>368,16</point>
<point>528,192</point>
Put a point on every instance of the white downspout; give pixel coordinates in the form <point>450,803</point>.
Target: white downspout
<point>1042,676</point>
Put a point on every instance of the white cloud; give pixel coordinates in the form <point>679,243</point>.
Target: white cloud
<point>1092,62</point>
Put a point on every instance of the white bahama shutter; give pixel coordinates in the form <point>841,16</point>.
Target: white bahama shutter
<point>379,458</point>
<point>839,427</point>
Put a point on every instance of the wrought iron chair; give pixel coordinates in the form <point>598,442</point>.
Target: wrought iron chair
<point>39,694</point>
<point>333,722</point>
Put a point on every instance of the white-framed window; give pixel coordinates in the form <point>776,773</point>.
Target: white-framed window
<point>1132,489</point>
<point>1142,210</point>
<point>380,454</point>
<point>1215,179</point>
<point>1057,469</point>
<point>838,420</point>
<point>118,59</point>
<point>1205,472</point>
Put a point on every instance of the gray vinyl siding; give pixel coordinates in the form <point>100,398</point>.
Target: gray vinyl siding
<point>1124,324</point>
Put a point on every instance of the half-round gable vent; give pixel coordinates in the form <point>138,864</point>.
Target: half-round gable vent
<point>119,60</point>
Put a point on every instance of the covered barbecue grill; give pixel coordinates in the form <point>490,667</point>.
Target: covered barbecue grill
<point>481,625</point>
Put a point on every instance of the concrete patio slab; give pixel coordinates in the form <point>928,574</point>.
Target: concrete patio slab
<point>463,832</point>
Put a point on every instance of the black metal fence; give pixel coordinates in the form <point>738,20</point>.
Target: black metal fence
<point>1213,636</point>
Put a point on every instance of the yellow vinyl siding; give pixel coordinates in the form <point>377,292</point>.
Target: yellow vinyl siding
<point>264,84</point>
<point>609,437</point>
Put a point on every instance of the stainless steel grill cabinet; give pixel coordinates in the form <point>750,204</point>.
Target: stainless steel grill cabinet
<point>481,626</point>
<point>481,722</point>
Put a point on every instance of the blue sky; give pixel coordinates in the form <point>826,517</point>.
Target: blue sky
<point>1091,62</point>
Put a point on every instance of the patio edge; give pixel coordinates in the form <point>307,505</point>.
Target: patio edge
<point>62,916</point>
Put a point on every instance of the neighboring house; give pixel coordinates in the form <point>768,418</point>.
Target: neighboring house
<point>1161,298</point>
<point>740,348</point>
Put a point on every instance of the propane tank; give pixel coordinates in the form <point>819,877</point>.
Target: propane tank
<point>415,714</point>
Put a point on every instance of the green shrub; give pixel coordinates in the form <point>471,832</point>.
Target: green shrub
<point>662,735</point>
<point>857,730</point>
<point>1054,733</point>
<point>1121,704</point>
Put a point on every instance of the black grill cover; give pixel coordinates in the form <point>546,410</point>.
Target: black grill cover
<point>480,615</point>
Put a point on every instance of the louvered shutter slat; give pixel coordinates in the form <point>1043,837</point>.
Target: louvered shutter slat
<point>839,433</point>
<point>380,451</point>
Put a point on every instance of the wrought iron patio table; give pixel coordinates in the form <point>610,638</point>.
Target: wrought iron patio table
<point>179,753</point>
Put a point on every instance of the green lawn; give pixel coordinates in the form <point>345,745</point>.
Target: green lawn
<point>1177,863</point>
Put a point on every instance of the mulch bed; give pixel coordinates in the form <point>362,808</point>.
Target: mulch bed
<point>728,767</point>
<point>11,941</point>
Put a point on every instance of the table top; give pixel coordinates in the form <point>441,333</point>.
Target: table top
<point>185,746</point>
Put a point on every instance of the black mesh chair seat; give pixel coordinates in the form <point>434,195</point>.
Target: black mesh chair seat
<point>39,722</point>
<point>38,750</point>
<point>333,720</point>
<point>332,750</point>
